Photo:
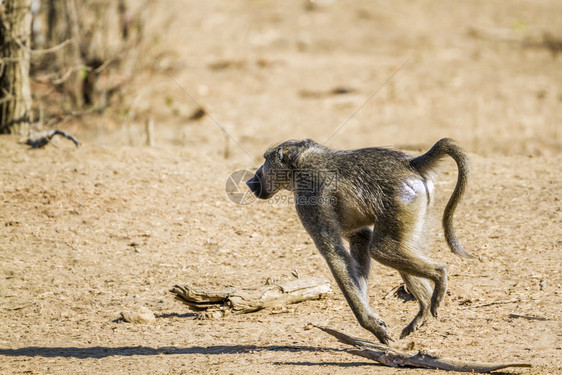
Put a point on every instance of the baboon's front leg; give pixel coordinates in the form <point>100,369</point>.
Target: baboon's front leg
<point>344,269</point>
<point>322,225</point>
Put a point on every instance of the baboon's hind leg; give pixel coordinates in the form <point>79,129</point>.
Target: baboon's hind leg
<point>399,236</point>
<point>359,249</point>
<point>422,291</point>
<point>394,253</point>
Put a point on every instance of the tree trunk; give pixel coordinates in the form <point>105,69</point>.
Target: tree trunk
<point>57,28</point>
<point>15,92</point>
<point>74,85</point>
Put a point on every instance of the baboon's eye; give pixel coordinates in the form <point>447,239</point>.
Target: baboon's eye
<point>280,154</point>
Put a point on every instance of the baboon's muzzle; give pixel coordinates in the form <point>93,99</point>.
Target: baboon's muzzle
<point>256,185</point>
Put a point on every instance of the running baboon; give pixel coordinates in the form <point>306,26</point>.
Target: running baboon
<point>377,199</point>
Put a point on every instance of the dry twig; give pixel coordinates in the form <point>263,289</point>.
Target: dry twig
<point>528,317</point>
<point>396,358</point>
<point>491,303</point>
<point>47,50</point>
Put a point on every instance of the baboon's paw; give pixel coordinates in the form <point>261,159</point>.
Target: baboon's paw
<point>406,331</point>
<point>418,321</point>
<point>382,334</point>
<point>434,311</point>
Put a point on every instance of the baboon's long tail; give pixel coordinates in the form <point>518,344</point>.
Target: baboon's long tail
<point>424,163</point>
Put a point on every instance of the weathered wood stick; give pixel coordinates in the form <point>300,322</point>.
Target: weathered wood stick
<point>396,358</point>
<point>248,300</point>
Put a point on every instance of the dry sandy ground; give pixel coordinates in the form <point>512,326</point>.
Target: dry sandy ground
<point>88,233</point>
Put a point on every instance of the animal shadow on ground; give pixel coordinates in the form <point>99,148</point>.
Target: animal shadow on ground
<point>127,351</point>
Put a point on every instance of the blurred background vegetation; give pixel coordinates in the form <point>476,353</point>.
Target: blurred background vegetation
<point>485,73</point>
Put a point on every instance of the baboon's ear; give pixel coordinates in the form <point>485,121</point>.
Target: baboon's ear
<point>280,154</point>
<point>288,154</point>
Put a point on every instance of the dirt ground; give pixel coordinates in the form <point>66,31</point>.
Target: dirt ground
<point>88,233</point>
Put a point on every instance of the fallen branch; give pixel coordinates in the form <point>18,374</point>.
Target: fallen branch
<point>491,303</point>
<point>246,300</point>
<point>528,317</point>
<point>43,140</point>
<point>396,358</point>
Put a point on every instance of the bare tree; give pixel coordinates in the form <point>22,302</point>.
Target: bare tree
<point>96,35</point>
<point>15,51</point>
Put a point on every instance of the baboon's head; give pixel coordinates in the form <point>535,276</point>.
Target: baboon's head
<point>276,173</point>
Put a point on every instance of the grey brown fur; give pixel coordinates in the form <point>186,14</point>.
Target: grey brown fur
<point>377,200</point>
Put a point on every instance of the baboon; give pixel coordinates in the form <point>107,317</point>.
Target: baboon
<point>377,199</point>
